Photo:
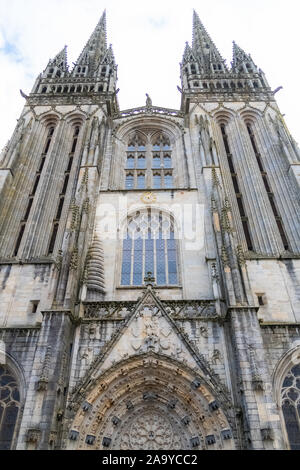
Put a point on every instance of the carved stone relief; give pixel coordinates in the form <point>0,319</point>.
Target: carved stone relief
<point>150,431</point>
<point>148,404</point>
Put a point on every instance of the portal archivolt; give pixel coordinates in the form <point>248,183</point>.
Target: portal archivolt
<point>149,403</point>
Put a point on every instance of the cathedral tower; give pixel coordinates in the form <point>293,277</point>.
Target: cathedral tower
<point>150,261</point>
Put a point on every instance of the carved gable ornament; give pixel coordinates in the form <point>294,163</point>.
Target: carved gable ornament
<point>148,330</point>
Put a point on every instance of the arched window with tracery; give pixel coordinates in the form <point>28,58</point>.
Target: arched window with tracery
<point>150,245</point>
<point>290,403</point>
<point>9,407</point>
<point>151,152</point>
<point>136,160</point>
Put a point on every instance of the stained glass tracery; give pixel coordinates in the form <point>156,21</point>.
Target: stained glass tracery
<point>150,246</point>
<point>9,407</point>
<point>290,400</point>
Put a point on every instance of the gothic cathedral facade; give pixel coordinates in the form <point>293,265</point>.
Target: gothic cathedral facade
<point>150,262</point>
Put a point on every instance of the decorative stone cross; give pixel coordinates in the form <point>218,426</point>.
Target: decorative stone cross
<point>149,279</point>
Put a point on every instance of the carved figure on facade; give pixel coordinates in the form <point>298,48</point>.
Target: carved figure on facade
<point>85,355</point>
<point>148,101</point>
<point>216,357</point>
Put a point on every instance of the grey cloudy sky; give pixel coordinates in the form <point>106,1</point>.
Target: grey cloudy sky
<point>148,39</point>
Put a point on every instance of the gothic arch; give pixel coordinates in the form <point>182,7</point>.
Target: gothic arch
<point>170,127</point>
<point>286,382</point>
<point>50,119</point>
<point>76,118</point>
<point>144,208</point>
<point>150,402</point>
<point>250,115</point>
<point>148,126</point>
<point>223,116</point>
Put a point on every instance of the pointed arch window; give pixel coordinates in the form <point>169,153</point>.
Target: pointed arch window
<point>141,162</point>
<point>9,407</point>
<point>130,161</point>
<point>152,154</point>
<point>141,181</point>
<point>161,158</point>
<point>167,161</point>
<point>168,180</point>
<point>156,161</point>
<point>157,180</point>
<point>290,402</point>
<point>129,181</point>
<point>150,246</point>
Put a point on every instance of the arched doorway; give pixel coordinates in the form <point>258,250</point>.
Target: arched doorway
<point>150,402</point>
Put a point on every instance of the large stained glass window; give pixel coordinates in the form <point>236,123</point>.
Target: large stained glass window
<point>9,407</point>
<point>290,396</point>
<point>150,246</point>
<point>149,151</point>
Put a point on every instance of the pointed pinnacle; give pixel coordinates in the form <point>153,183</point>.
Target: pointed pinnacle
<point>202,42</point>
<point>239,56</point>
<point>102,21</point>
<point>97,43</point>
<point>187,50</point>
<point>61,57</point>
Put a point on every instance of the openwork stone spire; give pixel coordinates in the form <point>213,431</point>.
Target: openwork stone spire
<point>57,67</point>
<point>204,48</point>
<point>95,48</point>
<point>242,62</point>
<point>61,59</point>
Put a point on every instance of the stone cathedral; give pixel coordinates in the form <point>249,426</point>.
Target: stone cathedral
<point>150,261</point>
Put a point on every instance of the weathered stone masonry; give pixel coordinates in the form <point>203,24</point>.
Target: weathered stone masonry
<point>203,351</point>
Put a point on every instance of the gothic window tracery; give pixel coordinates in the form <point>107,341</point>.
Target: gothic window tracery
<point>290,403</point>
<point>149,246</point>
<point>152,154</point>
<point>9,407</point>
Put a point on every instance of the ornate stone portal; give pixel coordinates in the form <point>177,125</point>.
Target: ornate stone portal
<point>150,402</point>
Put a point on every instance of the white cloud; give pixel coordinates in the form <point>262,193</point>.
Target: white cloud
<point>148,40</point>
